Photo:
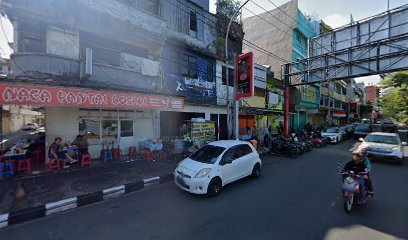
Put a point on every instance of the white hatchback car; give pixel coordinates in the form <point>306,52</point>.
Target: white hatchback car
<point>333,133</point>
<point>214,165</point>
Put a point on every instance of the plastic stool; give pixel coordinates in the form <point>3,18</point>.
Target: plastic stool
<point>132,152</point>
<point>24,166</point>
<point>36,157</point>
<point>8,168</point>
<point>148,156</point>
<point>54,164</point>
<point>116,153</point>
<point>107,156</point>
<point>85,160</point>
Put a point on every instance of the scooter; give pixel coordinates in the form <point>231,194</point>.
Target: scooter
<point>351,189</point>
<point>279,145</point>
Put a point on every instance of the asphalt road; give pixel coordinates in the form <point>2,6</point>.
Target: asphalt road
<point>294,199</point>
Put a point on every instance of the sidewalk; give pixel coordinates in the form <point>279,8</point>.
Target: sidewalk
<point>54,186</point>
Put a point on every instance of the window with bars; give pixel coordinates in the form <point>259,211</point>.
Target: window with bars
<point>188,66</point>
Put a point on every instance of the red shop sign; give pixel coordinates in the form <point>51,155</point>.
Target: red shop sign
<point>52,96</point>
<point>244,81</point>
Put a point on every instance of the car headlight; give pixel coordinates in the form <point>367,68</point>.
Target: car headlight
<point>203,172</point>
<point>397,148</point>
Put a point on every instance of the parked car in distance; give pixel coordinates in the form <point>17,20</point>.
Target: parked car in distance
<point>333,133</point>
<point>377,128</point>
<point>387,146</point>
<point>343,131</point>
<point>217,164</point>
<point>362,130</point>
<point>30,126</point>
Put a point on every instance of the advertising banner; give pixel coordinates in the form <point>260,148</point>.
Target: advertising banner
<point>54,96</point>
<point>202,131</point>
<point>244,81</point>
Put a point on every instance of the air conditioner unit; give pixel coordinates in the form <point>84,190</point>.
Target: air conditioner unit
<point>88,63</point>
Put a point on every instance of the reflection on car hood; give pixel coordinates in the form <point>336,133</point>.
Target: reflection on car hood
<point>191,167</point>
<point>379,146</point>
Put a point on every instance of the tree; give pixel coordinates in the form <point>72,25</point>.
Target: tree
<point>395,102</point>
<point>366,109</point>
<point>227,8</point>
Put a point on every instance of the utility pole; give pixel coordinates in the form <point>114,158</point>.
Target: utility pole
<point>226,72</point>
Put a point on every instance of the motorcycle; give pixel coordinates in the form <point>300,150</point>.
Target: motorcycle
<point>279,145</point>
<point>351,189</point>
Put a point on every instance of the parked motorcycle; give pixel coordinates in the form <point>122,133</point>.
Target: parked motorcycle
<point>351,189</point>
<point>280,145</point>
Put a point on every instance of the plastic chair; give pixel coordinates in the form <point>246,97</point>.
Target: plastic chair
<point>24,166</point>
<point>132,152</point>
<point>8,168</point>
<point>107,156</point>
<point>86,160</point>
<point>54,164</point>
<point>36,157</point>
<point>116,153</point>
<point>148,156</point>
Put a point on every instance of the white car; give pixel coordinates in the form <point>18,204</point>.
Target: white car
<point>30,126</point>
<point>382,145</point>
<point>333,133</point>
<point>217,164</point>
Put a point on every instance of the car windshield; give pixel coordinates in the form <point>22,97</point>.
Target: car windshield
<point>362,128</point>
<point>207,154</point>
<point>382,139</point>
<point>330,130</point>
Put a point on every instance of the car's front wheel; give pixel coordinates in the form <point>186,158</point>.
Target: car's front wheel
<point>256,171</point>
<point>214,187</point>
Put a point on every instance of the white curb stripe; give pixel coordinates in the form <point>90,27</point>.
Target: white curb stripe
<point>113,192</point>
<point>151,181</point>
<point>4,220</point>
<point>60,206</point>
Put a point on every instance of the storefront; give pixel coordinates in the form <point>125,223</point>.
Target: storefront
<point>105,118</point>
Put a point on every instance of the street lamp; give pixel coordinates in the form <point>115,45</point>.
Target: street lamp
<point>226,74</point>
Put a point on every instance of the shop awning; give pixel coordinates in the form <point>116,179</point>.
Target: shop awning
<point>260,111</point>
<point>339,114</point>
<point>58,96</point>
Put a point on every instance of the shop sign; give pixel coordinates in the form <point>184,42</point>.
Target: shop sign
<point>339,114</point>
<point>309,94</point>
<point>50,96</point>
<point>244,75</point>
<point>202,131</point>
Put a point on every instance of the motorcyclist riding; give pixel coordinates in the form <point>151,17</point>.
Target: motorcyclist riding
<point>362,153</point>
<point>358,166</point>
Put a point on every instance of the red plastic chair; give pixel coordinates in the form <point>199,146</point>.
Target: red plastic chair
<point>86,160</point>
<point>24,166</point>
<point>36,157</point>
<point>116,153</point>
<point>148,156</point>
<point>54,164</point>
<point>132,152</point>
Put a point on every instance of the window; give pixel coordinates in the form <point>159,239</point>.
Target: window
<point>210,71</point>
<point>90,128</point>
<point>298,38</point>
<point>189,66</point>
<point>230,76</point>
<point>231,154</point>
<point>126,128</point>
<point>260,92</point>
<point>109,129</point>
<point>151,6</point>
<point>31,42</point>
<point>243,150</point>
<point>193,21</point>
<point>207,154</point>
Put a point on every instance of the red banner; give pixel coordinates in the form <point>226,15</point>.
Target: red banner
<point>244,81</point>
<point>53,96</point>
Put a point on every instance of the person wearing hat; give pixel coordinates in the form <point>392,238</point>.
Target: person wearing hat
<point>360,163</point>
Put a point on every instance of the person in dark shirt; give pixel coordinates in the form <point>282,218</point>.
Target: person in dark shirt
<point>358,166</point>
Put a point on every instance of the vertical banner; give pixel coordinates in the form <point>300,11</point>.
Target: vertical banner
<point>244,81</point>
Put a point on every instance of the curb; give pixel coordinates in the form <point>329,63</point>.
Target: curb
<point>52,208</point>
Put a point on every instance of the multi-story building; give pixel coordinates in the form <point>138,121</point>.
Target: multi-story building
<point>119,71</point>
<point>288,39</point>
<point>335,102</point>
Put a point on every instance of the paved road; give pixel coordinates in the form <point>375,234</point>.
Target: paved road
<point>294,199</point>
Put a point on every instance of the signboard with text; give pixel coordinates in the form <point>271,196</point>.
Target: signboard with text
<point>202,131</point>
<point>244,75</point>
<point>54,96</point>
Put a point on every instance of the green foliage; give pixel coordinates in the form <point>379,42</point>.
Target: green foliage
<point>227,8</point>
<point>366,109</point>
<point>395,103</point>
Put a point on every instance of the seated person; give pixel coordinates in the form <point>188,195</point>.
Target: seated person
<point>82,144</point>
<point>56,151</point>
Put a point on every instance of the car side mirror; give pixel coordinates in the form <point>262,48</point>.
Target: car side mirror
<point>404,144</point>
<point>361,139</point>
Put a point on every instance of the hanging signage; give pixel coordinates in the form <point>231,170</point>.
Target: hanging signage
<point>244,75</point>
<point>53,96</point>
<point>309,94</point>
<point>202,131</point>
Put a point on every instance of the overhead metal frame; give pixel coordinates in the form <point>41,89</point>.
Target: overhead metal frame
<point>374,45</point>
